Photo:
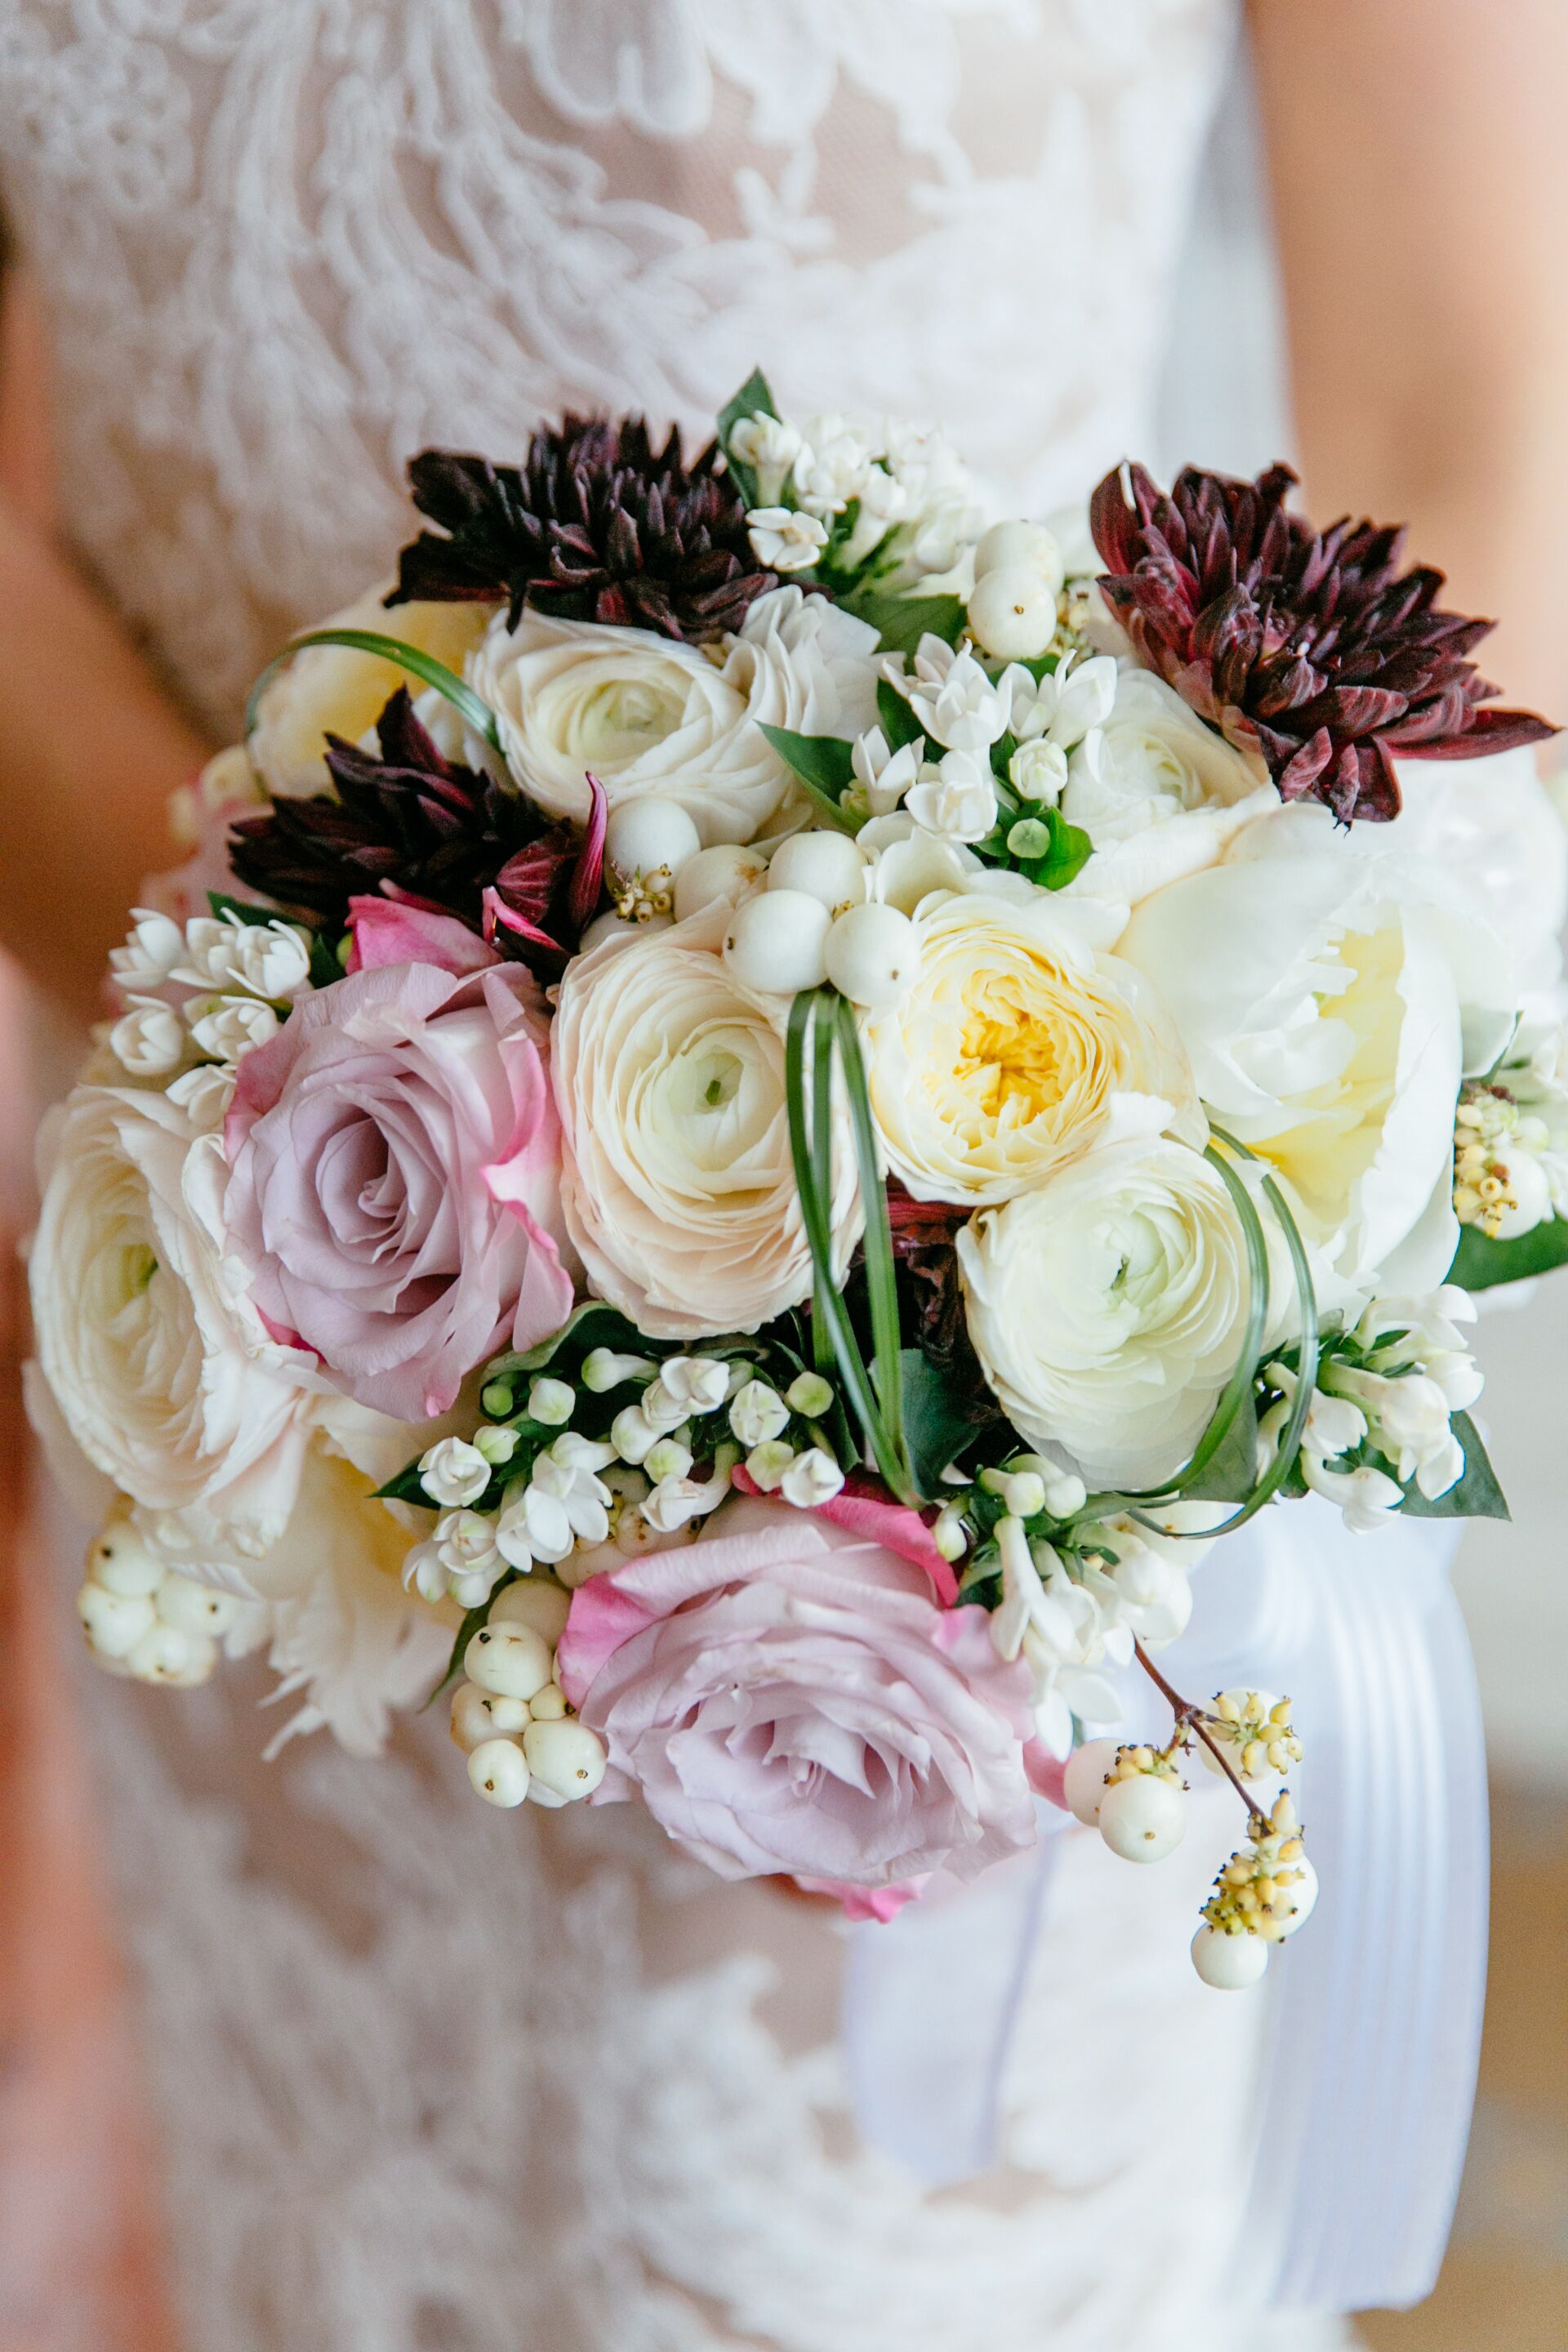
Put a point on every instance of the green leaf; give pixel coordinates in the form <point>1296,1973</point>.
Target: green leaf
<point>898,722</point>
<point>592,1325</point>
<point>901,622</point>
<point>1480,1264</point>
<point>243,911</point>
<point>825,764</point>
<point>938,1421</point>
<point>1478,1495</point>
<point>421,666</point>
<point>753,399</point>
<point>1231,1473</point>
<point>407,1487</point>
<point>876,1242</point>
<point>1066,859</point>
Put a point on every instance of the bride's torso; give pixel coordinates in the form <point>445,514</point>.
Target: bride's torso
<point>428,2076</point>
<point>288,242</point>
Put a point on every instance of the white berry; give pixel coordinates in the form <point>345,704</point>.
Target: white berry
<point>826,865</point>
<point>497,1769</point>
<point>1013,614</point>
<point>565,1757</point>
<point>1022,547</point>
<point>1083,1783</point>
<point>121,1563</point>
<point>164,1655</point>
<point>871,954</point>
<point>511,1661</point>
<point>532,1601</point>
<point>549,1704</point>
<point>644,834</point>
<point>723,875</point>
<point>1228,1963</point>
<point>775,941</point>
<point>113,1621</point>
<point>471,1725</point>
<point>194,1608</point>
<point>1142,1819</point>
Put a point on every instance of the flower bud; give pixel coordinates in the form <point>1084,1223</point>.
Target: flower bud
<point>809,1395</point>
<point>550,1402</point>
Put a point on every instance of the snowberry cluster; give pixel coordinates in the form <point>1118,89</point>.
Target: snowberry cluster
<point>509,1716</point>
<point>1136,1798</point>
<point>142,1620</point>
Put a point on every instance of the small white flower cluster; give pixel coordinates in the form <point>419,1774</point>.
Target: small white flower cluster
<point>1390,1387</point>
<point>578,1493</point>
<point>1510,1140</point>
<point>962,711</point>
<point>143,1622</point>
<point>1069,1615</point>
<point>1136,1798</point>
<point>509,1716</point>
<point>915,511</point>
<point>199,997</point>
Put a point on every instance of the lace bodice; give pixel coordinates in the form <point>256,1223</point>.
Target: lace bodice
<point>426,2076</point>
<point>287,242</point>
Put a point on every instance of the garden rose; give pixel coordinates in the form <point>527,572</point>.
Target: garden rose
<point>651,715</point>
<point>332,690</point>
<point>393,1195</point>
<point>1108,1304</point>
<point>679,1188</point>
<point>785,1697</point>
<point>1018,1044</point>
<point>1158,794</point>
<point>1331,995</point>
<point>167,1380</point>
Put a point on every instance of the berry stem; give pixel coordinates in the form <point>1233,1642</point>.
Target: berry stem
<point>1190,1717</point>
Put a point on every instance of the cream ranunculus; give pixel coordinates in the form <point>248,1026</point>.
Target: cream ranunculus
<point>1018,1044</point>
<point>678,1187</point>
<point>1108,1306</point>
<point>1332,993</point>
<point>165,1378</point>
<point>332,689</point>
<point>647,715</point>
<point>1158,794</point>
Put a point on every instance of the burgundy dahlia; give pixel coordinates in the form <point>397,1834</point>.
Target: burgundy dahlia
<point>1312,647</point>
<point>594,525</point>
<point>407,817</point>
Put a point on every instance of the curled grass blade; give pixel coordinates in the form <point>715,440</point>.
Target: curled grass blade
<point>421,666</point>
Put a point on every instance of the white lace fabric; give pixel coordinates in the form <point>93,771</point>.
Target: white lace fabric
<point>428,2076</point>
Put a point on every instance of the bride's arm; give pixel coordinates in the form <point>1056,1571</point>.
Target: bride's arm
<point>1420,179</point>
<point>90,748</point>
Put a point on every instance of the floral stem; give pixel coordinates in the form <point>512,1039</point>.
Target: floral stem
<point>1190,1717</point>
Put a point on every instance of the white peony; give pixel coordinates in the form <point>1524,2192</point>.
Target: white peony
<point>1158,794</point>
<point>332,690</point>
<point>650,716</point>
<point>166,1379</point>
<point>1108,1306</point>
<point>1331,995</point>
<point>678,1184</point>
<point>1017,1045</point>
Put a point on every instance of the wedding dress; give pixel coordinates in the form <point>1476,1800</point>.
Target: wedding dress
<point>431,2079</point>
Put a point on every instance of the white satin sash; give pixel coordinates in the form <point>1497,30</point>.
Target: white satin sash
<point>1370,2068</point>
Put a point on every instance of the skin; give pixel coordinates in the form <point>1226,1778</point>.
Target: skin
<point>1418,176</point>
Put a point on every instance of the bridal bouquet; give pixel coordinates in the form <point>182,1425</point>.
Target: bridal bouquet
<point>763,1110</point>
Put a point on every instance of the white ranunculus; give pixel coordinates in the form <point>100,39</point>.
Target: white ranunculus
<point>332,690</point>
<point>806,663</point>
<point>1017,1045</point>
<point>1494,828</point>
<point>1158,794</point>
<point>677,1183</point>
<point>1108,1306</point>
<point>1331,994</point>
<point>166,1379</point>
<point>647,714</point>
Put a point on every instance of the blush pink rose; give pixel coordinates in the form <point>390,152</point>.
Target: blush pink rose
<point>394,1186</point>
<point>788,1697</point>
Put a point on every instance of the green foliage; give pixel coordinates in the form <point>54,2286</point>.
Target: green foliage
<point>1478,1495</point>
<point>421,666</point>
<point>901,622</point>
<point>825,764</point>
<point>939,1422</point>
<point>1480,1264</point>
<point>898,722</point>
<point>755,399</point>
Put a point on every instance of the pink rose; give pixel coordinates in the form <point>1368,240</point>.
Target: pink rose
<point>789,1697</point>
<point>394,1187</point>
